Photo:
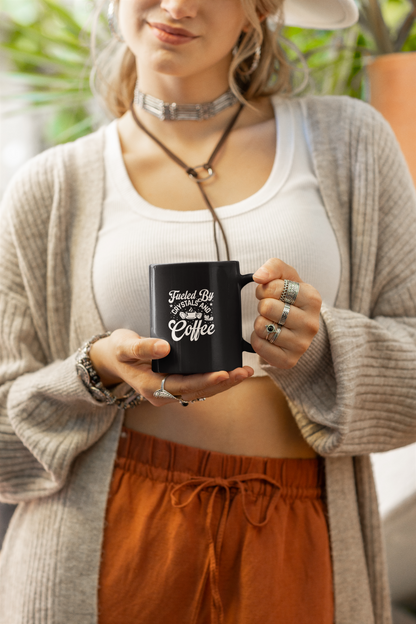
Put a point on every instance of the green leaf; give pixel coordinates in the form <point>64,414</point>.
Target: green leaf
<point>76,130</point>
<point>44,96</point>
<point>46,80</point>
<point>40,60</point>
<point>65,102</point>
<point>65,16</point>
<point>34,33</point>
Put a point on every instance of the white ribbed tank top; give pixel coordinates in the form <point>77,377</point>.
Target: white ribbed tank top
<point>285,219</point>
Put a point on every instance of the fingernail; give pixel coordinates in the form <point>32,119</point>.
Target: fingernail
<point>220,380</point>
<point>261,274</point>
<point>159,348</point>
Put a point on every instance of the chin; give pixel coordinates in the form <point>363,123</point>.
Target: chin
<point>164,62</point>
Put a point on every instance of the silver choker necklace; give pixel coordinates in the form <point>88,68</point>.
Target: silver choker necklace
<point>182,112</point>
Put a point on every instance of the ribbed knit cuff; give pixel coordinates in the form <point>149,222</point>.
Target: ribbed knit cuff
<point>56,418</point>
<point>311,391</point>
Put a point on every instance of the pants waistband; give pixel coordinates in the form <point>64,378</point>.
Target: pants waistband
<point>175,463</point>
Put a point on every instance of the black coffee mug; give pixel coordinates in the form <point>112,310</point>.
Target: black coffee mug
<point>196,308</point>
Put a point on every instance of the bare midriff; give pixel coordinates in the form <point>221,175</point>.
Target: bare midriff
<point>252,419</point>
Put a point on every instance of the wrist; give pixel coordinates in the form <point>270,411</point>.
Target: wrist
<point>93,382</point>
<point>99,357</point>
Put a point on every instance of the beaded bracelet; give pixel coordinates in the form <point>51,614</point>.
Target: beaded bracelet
<point>91,379</point>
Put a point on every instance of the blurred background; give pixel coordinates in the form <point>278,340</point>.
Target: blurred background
<point>46,98</point>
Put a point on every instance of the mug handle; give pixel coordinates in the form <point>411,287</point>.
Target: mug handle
<point>244,280</point>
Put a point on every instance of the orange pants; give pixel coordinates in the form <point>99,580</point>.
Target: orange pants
<point>199,537</point>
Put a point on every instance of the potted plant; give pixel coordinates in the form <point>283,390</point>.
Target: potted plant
<point>391,70</point>
<point>375,60</point>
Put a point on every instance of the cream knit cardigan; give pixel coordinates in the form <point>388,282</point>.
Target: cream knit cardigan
<point>352,393</point>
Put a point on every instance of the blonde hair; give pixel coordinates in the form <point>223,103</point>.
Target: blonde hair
<point>114,68</point>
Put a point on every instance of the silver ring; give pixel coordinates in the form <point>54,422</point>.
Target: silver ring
<point>285,314</point>
<point>272,332</point>
<point>290,292</point>
<point>164,394</point>
<point>275,335</point>
<point>270,329</point>
<point>186,403</point>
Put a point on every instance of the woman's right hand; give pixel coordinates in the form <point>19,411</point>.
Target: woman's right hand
<point>124,356</point>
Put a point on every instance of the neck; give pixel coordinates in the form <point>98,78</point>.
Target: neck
<point>203,87</point>
<point>188,90</point>
<point>172,111</point>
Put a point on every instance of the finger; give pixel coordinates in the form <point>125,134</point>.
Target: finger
<point>285,339</point>
<point>145,381</point>
<point>189,387</point>
<point>296,340</point>
<point>275,269</point>
<point>280,354</point>
<point>195,385</point>
<point>308,297</point>
<point>180,387</point>
<point>236,377</point>
<point>142,349</point>
<point>242,373</point>
<point>272,310</point>
<point>293,342</point>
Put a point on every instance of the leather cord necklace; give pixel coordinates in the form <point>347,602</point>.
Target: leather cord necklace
<point>194,172</point>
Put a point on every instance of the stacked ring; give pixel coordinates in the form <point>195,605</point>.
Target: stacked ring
<point>272,332</point>
<point>290,292</point>
<point>284,291</point>
<point>164,394</point>
<point>285,314</point>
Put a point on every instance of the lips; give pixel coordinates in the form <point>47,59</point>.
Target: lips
<point>171,34</point>
<point>172,29</point>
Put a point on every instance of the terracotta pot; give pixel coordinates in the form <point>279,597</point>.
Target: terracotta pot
<point>392,82</point>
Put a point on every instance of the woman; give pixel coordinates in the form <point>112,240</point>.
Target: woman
<point>136,509</point>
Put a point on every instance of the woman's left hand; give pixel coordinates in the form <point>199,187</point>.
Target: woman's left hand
<point>302,322</point>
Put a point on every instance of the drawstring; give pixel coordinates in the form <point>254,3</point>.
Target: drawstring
<point>193,171</point>
<point>214,546</point>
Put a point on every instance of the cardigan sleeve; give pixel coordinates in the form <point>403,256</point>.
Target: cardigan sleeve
<point>47,417</point>
<point>354,391</point>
